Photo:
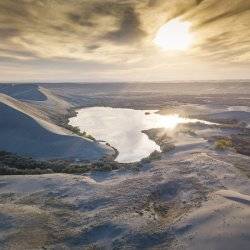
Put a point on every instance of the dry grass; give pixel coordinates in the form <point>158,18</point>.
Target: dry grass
<point>223,144</point>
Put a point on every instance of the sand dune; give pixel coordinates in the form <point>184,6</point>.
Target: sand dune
<point>28,92</point>
<point>54,105</point>
<point>191,198</point>
<point>126,209</point>
<point>221,223</point>
<point>26,131</point>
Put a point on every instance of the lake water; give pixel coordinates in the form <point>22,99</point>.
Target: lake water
<point>121,128</point>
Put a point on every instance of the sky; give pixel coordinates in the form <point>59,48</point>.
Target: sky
<point>113,40</point>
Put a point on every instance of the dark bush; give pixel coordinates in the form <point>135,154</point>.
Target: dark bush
<point>14,164</point>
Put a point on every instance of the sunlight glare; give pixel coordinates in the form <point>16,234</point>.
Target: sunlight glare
<point>174,35</point>
<point>172,121</point>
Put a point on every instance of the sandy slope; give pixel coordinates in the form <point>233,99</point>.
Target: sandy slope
<point>27,92</point>
<point>221,223</point>
<point>156,207</point>
<point>26,131</point>
<point>194,198</point>
<point>53,106</point>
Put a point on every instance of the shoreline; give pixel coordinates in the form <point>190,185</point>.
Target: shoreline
<point>166,143</point>
<point>170,201</point>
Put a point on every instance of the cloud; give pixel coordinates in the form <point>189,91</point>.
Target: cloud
<point>129,28</point>
<point>120,32</point>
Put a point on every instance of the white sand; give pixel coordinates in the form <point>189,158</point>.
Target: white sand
<point>122,206</point>
<point>221,223</point>
<point>26,131</point>
<point>129,209</point>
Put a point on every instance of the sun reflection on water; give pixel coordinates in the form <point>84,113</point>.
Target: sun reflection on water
<point>172,121</point>
<point>122,128</point>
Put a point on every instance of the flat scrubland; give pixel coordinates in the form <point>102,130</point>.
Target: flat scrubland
<point>194,195</point>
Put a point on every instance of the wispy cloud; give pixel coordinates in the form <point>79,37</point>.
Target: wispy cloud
<point>119,33</point>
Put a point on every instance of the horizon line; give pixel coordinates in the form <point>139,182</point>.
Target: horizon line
<point>122,82</point>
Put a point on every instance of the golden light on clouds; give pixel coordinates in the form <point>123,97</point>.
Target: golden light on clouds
<point>174,35</point>
<point>124,40</point>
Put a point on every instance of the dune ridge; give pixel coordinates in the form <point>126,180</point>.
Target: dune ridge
<point>27,131</point>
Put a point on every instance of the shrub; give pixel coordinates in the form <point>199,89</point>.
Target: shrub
<point>14,164</point>
<point>223,144</point>
<point>77,169</point>
<point>156,155</point>
<point>5,170</point>
<point>166,147</point>
<point>77,131</point>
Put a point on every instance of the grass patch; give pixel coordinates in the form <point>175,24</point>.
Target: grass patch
<point>77,169</point>
<point>154,156</point>
<point>12,164</point>
<point>77,131</point>
<point>223,144</point>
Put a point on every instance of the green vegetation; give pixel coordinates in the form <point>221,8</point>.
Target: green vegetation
<point>11,164</point>
<point>77,131</point>
<point>166,147</point>
<point>77,169</point>
<point>98,166</point>
<point>223,144</point>
<point>156,155</point>
<point>161,138</point>
<point>4,170</point>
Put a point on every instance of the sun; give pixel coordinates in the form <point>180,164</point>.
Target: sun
<point>174,35</point>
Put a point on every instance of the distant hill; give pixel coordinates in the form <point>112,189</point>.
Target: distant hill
<point>27,92</point>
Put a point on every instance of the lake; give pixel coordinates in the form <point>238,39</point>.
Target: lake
<point>122,129</point>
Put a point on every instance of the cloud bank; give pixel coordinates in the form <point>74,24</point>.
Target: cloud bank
<point>109,39</point>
